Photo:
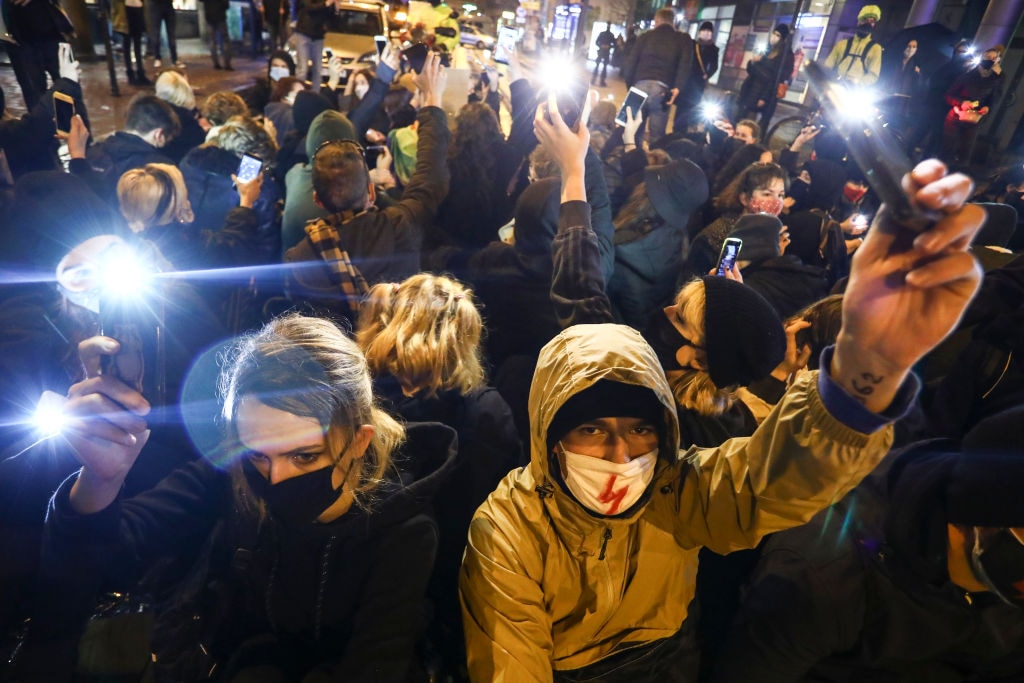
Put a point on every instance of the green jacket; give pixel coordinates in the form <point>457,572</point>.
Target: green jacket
<point>547,586</point>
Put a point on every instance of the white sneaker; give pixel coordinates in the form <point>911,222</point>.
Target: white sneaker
<point>180,65</point>
<point>157,64</point>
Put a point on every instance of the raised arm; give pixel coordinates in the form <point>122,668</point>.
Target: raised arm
<point>577,283</point>
<point>106,429</point>
<point>907,291</point>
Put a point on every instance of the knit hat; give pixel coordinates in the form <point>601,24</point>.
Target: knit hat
<point>328,125</point>
<point>707,26</point>
<point>403,143</point>
<point>760,235</point>
<point>605,398</point>
<point>676,189</point>
<point>869,11</point>
<point>744,338</point>
<point>308,105</point>
<point>782,30</point>
<point>536,216</point>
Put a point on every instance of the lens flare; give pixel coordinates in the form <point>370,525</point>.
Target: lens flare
<point>711,111</point>
<point>49,418</point>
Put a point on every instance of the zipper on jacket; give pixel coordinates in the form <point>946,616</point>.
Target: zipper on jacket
<point>604,542</point>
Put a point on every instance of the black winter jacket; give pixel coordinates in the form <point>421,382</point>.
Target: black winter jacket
<point>341,601</point>
<point>661,54</point>
<point>106,161</point>
<point>212,193</point>
<point>862,592</point>
<point>383,245</point>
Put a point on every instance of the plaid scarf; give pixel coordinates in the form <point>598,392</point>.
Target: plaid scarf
<point>327,243</point>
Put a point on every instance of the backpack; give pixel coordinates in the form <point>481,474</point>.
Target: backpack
<point>863,55</point>
<point>832,248</point>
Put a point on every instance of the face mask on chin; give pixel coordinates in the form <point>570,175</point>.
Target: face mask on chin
<point>608,488</point>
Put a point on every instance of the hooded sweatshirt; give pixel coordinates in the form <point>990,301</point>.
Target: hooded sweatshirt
<point>547,586</point>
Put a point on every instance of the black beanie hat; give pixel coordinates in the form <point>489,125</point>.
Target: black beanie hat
<point>782,30</point>
<point>744,337</point>
<point>707,26</point>
<point>308,105</point>
<point>536,216</point>
<point>760,235</point>
<point>606,398</point>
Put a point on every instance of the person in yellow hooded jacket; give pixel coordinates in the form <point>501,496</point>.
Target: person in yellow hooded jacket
<point>582,565</point>
<point>858,59</point>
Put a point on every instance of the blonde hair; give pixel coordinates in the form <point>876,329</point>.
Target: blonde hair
<point>693,389</point>
<point>425,332</point>
<point>308,367</point>
<point>174,88</point>
<point>153,195</point>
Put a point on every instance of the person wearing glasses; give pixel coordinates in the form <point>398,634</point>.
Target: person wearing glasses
<point>356,244</point>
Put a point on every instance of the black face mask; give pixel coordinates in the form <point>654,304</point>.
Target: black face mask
<point>863,30</point>
<point>799,191</point>
<point>998,561</point>
<point>665,339</point>
<point>296,501</point>
<point>987,64</point>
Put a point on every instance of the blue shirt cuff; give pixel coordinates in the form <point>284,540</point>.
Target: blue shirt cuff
<point>385,73</point>
<point>851,412</point>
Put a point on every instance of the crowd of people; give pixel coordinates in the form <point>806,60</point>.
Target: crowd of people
<point>425,399</point>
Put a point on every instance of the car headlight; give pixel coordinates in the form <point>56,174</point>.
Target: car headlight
<point>368,57</point>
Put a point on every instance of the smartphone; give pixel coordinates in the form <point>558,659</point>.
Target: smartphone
<point>137,325</point>
<point>506,44</point>
<point>570,99</point>
<point>375,148</point>
<point>381,42</point>
<point>730,252</point>
<point>249,168</point>
<point>416,56</point>
<point>874,149</point>
<point>63,111</point>
<point>635,99</point>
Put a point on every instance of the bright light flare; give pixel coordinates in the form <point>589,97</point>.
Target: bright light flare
<point>857,104</point>
<point>711,111</point>
<point>556,73</point>
<point>49,418</point>
<point>123,275</point>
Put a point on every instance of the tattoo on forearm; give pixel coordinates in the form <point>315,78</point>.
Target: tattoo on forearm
<point>864,385</point>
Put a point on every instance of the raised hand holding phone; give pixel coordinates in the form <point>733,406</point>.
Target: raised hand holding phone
<point>105,427</point>
<point>567,146</point>
<point>907,289</point>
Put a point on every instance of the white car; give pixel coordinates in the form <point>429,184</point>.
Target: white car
<point>472,36</point>
<point>350,31</point>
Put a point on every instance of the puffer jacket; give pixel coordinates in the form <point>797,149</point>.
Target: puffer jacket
<point>548,588</point>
